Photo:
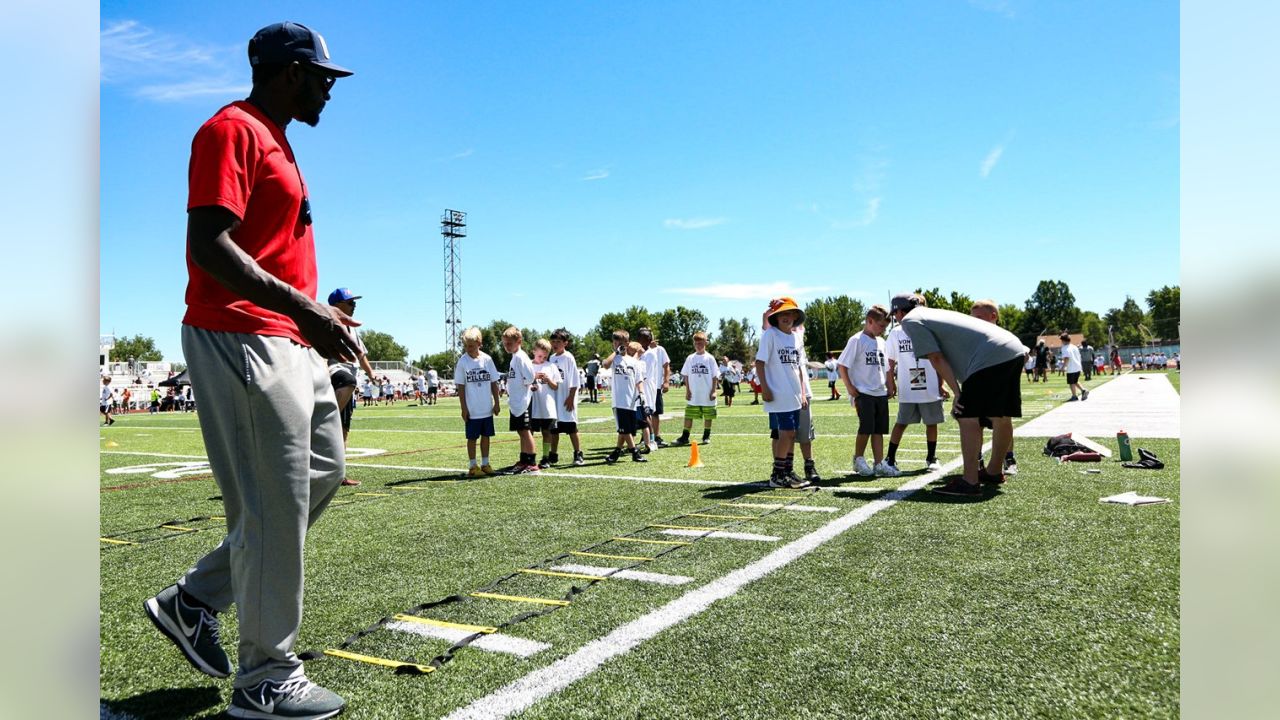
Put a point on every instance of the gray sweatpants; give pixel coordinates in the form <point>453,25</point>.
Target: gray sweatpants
<point>274,439</point>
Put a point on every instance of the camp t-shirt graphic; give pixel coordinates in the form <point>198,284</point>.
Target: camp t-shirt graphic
<point>916,378</point>
<point>477,376</point>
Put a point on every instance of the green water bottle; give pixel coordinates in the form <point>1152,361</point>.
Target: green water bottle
<point>1126,452</point>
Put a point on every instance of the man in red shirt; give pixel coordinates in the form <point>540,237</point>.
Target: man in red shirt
<point>255,340</point>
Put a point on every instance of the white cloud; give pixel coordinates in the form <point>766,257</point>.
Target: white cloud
<point>870,211</point>
<point>166,68</point>
<point>463,154</point>
<point>1000,7</point>
<point>746,291</point>
<point>596,175</point>
<point>692,223</point>
<point>993,157</point>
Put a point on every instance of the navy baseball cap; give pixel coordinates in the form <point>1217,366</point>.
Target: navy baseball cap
<point>289,41</point>
<point>342,295</point>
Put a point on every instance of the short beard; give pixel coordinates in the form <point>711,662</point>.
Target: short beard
<point>302,99</point>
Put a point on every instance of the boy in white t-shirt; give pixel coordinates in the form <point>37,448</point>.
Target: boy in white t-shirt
<point>547,380</point>
<point>520,388</point>
<point>862,368</point>
<point>627,387</point>
<point>915,382</point>
<point>104,402</point>
<point>566,397</point>
<point>476,378</point>
<point>804,428</point>
<point>782,385</point>
<point>701,374</point>
<point>833,375</point>
<point>657,369</point>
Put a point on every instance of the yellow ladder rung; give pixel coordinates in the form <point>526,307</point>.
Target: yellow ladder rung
<point>684,527</point>
<point>377,660</point>
<point>217,517</point>
<point>637,558</point>
<point>520,598</point>
<point>178,527</point>
<point>116,542</point>
<point>373,494</point>
<point>651,542</point>
<point>553,573</point>
<point>443,623</point>
<point>724,517</point>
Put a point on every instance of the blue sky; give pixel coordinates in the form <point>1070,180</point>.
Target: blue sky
<point>705,154</point>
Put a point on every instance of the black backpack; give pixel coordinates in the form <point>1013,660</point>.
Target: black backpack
<point>1062,445</point>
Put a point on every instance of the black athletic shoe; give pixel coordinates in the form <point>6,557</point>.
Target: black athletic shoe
<point>1084,394</point>
<point>811,474</point>
<point>612,457</point>
<point>193,629</point>
<point>544,462</point>
<point>682,440</point>
<point>706,439</point>
<point>796,482</point>
<point>578,459</point>
<point>661,443</point>
<point>779,481</point>
<point>957,487</point>
<point>985,479</point>
<point>637,457</point>
<point>643,449</point>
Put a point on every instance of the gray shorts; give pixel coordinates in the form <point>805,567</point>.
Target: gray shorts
<point>929,413</point>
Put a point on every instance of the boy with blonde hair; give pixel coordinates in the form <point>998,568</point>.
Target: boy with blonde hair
<point>701,374</point>
<point>782,385</point>
<point>627,386</point>
<point>520,388</point>
<point>547,380</point>
<point>476,378</point>
<point>862,368</point>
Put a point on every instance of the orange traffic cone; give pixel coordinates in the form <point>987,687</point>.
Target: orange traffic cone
<point>693,456</point>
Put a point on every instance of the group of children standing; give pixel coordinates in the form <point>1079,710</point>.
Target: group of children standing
<point>542,393</point>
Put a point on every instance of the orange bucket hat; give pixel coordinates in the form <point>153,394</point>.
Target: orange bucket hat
<point>784,304</point>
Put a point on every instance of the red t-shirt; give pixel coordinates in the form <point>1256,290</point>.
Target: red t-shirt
<point>240,160</point>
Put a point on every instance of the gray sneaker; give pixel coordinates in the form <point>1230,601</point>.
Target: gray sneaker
<point>193,629</point>
<point>298,698</point>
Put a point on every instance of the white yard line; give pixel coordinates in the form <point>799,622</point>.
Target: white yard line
<point>496,642</point>
<point>776,506</point>
<point>153,454</point>
<point>723,535</point>
<point>658,578</point>
<point>524,692</point>
<point>1145,406</point>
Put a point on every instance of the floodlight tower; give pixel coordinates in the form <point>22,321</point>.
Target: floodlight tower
<point>453,226</point>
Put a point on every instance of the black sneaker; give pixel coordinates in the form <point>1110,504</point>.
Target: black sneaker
<point>578,459</point>
<point>643,449</point>
<point>1073,399</point>
<point>779,481</point>
<point>1010,466</point>
<point>795,482</point>
<point>612,457</point>
<point>552,459</point>
<point>193,629</point>
<point>661,443</point>
<point>544,462</point>
<point>985,479</point>
<point>682,440</point>
<point>706,440</point>
<point>811,474</point>
<point>637,457</point>
<point>1084,394</point>
<point>957,487</point>
<point>298,698</point>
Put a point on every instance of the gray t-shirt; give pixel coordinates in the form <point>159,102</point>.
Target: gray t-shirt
<point>968,343</point>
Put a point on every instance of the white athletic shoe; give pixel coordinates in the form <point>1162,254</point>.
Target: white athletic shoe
<point>861,467</point>
<point>934,466</point>
<point>884,469</point>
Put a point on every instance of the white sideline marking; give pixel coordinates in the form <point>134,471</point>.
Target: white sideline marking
<point>496,642</point>
<point>153,454</point>
<point>545,473</point>
<point>531,688</point>
<point>723,535</point>
<point>648,577</point>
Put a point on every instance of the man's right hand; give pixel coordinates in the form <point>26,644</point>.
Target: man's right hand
<point>767,394</point>
<point>325,327</point>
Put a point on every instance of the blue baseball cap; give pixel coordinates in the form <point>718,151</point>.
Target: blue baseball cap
<point>342,295</point>
<point>289,41</point>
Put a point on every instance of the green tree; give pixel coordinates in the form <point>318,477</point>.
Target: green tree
<point>138,347</point>
<point>381,346</point>
<point>829,323</point>
<point>1126,322</point>
<point>1166,311</point>
<point>1011,318</point>
<point>960,302</point>
<point>1051,309</point>
<point>731,340</point>
<point>442,362</point>
<point>1094,329</point>
<point>631,320</point>
<point>936,300</point>
<point>675,329</point>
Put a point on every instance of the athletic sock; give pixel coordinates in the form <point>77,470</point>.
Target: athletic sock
<point>484,460</point>
<point>893,453</point>
<point>791,461</point>
<point>684,436</point>
<point>706,434</point>
<point>779,467</point>
<point>933,450</point>
<point>471,462</point>
<point>1009,456</point>
<point>546,447</point>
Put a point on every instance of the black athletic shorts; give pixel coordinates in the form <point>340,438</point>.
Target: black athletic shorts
<point>540,424</point>
<point>591,382</point>
<point>342,378</point>
<point>1073,378</point>
<point>657,404</point>
<point>625,420</point>
<point>566,428</point>
<point>346,412</point>
<point>993,392</point>
<point>729,388</point>
<point>521,422</point>
<point>873,414</point>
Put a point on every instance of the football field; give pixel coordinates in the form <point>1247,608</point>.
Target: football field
<point>657,590</point>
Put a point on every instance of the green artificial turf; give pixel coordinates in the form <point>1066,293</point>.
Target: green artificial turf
<point>1035,601</point>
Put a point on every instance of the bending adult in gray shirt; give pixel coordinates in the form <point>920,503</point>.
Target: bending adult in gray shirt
<point>981,363</point>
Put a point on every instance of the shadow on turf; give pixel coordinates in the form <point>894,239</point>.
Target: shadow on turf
<point>167,703</point>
